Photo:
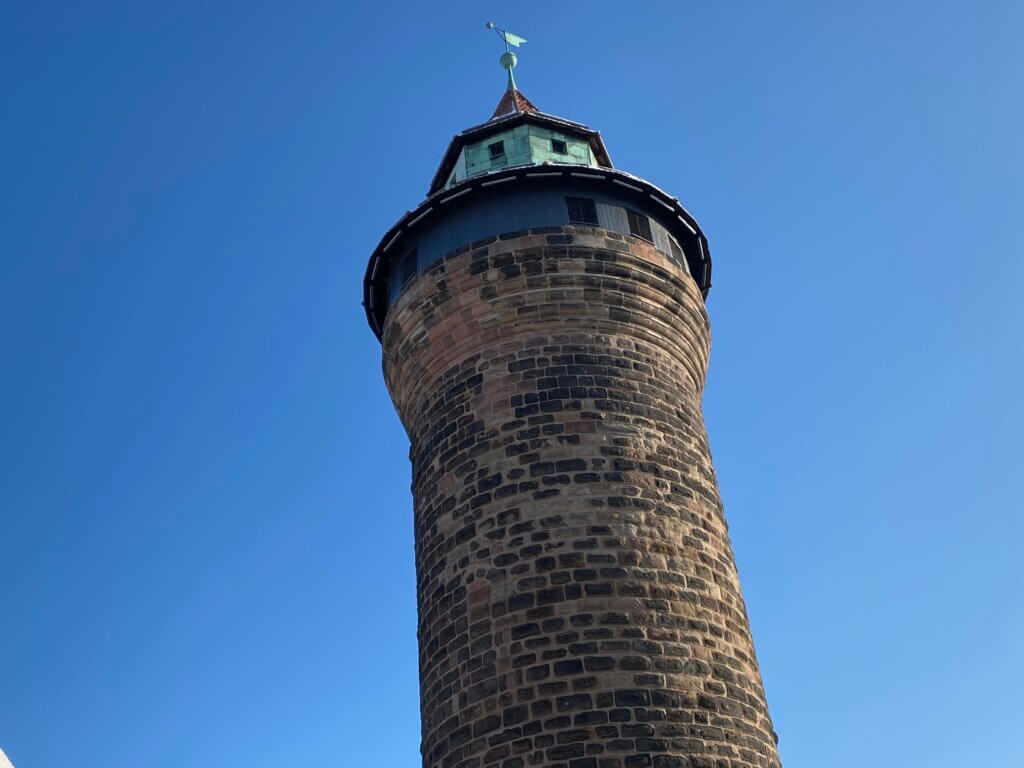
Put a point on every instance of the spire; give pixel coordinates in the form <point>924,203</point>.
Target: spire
<point>513,101</point>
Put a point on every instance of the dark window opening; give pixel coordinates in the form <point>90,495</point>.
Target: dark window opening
<point>559,146</point>
<point>497,150</point>
<point>582,210</point>
<point>674,247</point>
<point>639,225</point>
<point>409,267</point>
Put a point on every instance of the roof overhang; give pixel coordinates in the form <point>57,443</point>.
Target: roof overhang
<point>677,220</point>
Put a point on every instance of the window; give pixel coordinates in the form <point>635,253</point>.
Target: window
<point>557,145</point>
<point>639,225</point>
<point>674,247</point>
<point>409,267</point>
<point>497,150</point>
<point>582,210</point>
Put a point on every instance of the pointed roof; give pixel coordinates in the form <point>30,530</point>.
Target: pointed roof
<point>513,102</point>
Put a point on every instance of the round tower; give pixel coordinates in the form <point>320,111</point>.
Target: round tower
<point>545,344</point>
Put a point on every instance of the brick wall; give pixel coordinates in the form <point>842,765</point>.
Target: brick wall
<point>578,601</point>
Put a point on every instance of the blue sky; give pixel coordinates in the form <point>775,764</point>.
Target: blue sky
<point>205,522</point>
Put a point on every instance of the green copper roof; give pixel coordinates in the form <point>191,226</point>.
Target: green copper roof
<point>526,136</point>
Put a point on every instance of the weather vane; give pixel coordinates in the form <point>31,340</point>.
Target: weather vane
<point>508,59</point>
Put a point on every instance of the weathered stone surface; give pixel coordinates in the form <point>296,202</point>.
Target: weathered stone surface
<point>578,600</point>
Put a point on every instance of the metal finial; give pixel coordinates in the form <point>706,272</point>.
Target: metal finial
<point>508,58</point>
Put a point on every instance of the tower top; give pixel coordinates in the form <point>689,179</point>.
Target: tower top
<point>517,134</point>
<point>522,169</point>
<point>512,101</point>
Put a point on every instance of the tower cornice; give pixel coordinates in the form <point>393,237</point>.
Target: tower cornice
<point>679,222</point>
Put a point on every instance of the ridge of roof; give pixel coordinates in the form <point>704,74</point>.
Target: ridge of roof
<point>517,116</point>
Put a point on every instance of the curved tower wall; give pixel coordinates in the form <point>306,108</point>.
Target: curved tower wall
<point>578,600</point>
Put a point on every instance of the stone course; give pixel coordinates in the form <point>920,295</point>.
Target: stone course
<point>579,605</point>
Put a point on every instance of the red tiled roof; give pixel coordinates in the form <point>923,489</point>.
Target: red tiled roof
<point>512,102</point>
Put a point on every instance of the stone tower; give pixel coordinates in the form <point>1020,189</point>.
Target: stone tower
<point>545,344</point>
